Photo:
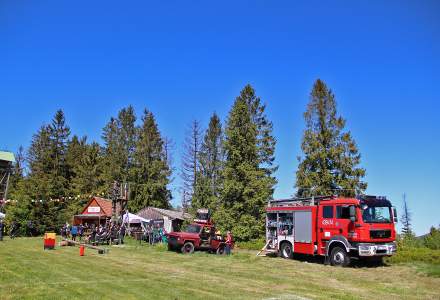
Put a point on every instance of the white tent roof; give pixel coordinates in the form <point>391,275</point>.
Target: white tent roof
<point>2,215</point>
<point>132,218</point>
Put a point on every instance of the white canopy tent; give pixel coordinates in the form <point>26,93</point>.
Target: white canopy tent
<point>130,218</point>
<point>2,215</point>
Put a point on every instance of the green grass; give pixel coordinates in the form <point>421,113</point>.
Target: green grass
<point>135,272</point>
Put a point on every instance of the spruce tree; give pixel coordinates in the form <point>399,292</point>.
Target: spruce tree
<point>330,163</point>
<point>47,181</point>
<point>59,135</point>
<point>247,180</point>
<point>151,171</point>
<point>211,161</point>
<point>85,161</point>
<point>119,137</point>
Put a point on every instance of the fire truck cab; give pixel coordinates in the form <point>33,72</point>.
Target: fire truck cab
<point>337,228</point>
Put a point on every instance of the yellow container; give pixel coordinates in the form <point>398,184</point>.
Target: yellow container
<point>50,235</point>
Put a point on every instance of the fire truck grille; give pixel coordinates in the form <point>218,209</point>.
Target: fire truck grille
<point>380,234</point>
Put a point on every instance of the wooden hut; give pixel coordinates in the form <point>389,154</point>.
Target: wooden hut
<point>97,211</point>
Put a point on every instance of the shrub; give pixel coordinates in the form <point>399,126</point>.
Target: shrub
<point>252,244</point>
<point>432,240</point>
<point>413,254</point>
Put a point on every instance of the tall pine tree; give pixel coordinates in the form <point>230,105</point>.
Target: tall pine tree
<point>119,137</point>
<point>330,164</point>
<point>248,182</point>
<point>151,171</point>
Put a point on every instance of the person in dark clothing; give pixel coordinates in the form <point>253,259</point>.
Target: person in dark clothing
<point>121,234</point>
<point>2,228</point>
<point>93,234</point>
<point>30,228</point>
<point>80,231</point>
<point>13,230</point>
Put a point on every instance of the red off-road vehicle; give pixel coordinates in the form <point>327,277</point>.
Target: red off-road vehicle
<point>200,235</point>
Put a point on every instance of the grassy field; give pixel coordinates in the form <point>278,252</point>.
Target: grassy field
<point>135,272</point>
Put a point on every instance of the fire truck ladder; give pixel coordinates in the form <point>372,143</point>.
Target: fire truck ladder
<point>306,201</point>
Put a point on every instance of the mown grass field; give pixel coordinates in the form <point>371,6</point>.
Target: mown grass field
<point>144,272</point>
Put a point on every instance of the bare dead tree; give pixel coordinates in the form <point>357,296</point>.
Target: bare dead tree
<point>190,160</point>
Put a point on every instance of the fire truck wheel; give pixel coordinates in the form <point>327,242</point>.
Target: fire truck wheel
<point>188,248</point>
<point>339,257</point>
<point>286,250</point>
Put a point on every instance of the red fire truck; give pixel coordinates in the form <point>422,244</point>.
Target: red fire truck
<point>337,228</point>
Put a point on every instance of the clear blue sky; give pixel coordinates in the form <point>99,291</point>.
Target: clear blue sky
<point>184,60</point>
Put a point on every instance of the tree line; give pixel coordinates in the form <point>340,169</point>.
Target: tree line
<point>228,167</point>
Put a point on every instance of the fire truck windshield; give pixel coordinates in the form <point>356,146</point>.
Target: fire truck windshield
<point>192,228</point>
<point>376,214</point>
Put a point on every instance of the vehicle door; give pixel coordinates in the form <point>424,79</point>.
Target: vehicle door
<point>343,223</point>
<point>327,227</point>
<point>204,236</point>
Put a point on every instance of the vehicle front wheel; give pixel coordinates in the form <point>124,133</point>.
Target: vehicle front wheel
<point>188,248</point>
<point>339,257</point>
<point>286,250</point>
<point>221,251</point>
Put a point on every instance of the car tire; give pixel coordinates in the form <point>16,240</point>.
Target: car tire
<point>339,257</point>
<point>221,251</point>
<point>188,248</point>
<point>286,250</point>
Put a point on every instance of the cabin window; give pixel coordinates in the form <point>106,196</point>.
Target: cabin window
<point>327,212</point>
<point>343,212</point>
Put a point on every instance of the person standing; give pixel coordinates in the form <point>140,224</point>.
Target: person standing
<point>13,231</point>
<point>228,243</point>
<point>121,234</point>
<point>80,231</point>
<point>74,232</point>
<point>2,226</point>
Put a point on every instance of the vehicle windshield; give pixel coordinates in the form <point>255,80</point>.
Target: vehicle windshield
<point>376,214</point>
<point>192,228</point>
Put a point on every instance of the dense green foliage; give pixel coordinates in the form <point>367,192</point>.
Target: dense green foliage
<point>150,170</point>
<point>331,158</point>
<point>247,175</point>
<point>63,172</point>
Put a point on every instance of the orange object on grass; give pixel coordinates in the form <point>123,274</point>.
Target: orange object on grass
<point>49,240</point>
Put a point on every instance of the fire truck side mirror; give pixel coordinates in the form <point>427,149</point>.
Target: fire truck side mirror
<point>395,220</point>
<point>352,213</point>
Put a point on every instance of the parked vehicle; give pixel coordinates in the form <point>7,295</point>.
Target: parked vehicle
<point>201,235</point>
<point>337,228</point>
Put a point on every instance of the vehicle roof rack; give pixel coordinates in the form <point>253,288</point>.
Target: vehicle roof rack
<point>304,201</point>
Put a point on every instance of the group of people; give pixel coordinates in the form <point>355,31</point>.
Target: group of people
<point>155,234</point>
<point>93,233</point>
<point>73,231</point>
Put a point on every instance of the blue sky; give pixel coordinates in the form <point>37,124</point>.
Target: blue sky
<point>183,60</point>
